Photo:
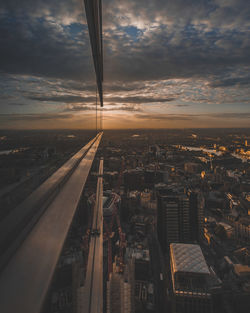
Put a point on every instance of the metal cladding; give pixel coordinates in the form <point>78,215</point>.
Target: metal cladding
<point>90,296</point>
<point>25,280</point>
<point>15,227</point>
<point>188,258</point>
<point>93,10</point>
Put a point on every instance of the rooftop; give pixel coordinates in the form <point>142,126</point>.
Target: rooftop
<point>188,258</point>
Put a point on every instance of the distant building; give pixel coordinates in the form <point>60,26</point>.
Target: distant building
<point>243,254</point>
<point>143,290</point>
<point>190,279</point>
<point>173,223</point>
<point>133,200</point>
<point>242,229</point>
<point>119,294</point>
<point>111,201</point>
<point>111,178</point>
<point>48,152</point>
<point>237,286</point>
<point>114,163</point>
<point>226,229</point>
<point>133,179</point>
<point>145,198</point>
<point>192,168</point>
<point>149,177</point>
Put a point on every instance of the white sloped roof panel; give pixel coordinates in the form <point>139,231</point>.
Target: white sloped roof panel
<point>188,258</point>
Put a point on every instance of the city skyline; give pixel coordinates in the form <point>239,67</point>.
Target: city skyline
<point>166,65</point>
<point>124,156</point>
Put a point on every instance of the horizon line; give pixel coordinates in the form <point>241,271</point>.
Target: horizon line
<point>110,129</point>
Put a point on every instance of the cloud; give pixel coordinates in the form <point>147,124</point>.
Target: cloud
<point>229,82</point>
<point>115,107</point>
<point>165,117</point>
<point>235,115</point>
<point>43,48</point>
<point>62,98</point>
<point>17,103</point>
<point>140,99</point>
<point>177,39</point>
<point>189,117</point>
<point>192,53</point>
<point>65,12</point>
<point>34,117</point>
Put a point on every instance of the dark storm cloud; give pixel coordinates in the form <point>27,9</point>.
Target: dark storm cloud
<point>140,99</point>
<point>161,57</point>
<point>77,99</point>
<point>62,98</point>
<point>17,103</point>
<point>42,48</point>
<point>188,52</point>
<point>182,38</point>
<point>229,82</point>
<point>63,10</point>
<point>207,13</point>
<point>77,85</point>
<point>189,39</point>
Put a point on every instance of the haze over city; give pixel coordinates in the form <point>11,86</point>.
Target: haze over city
<point>168,64</point>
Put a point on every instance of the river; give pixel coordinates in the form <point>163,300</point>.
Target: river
<point>215,152</point>
<point>6,152</point>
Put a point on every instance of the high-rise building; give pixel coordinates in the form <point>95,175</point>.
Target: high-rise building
<point>190,279</point>
<point>145,198</point>
<point>196,214</point>
<point>149,178</point>
<point>133,179</point>
<point>173,224</point>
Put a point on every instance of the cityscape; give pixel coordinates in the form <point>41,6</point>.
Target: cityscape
<point>124,156</point>
<point>176,209</point>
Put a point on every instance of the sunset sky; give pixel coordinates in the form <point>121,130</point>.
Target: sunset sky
<point>167,64</point>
